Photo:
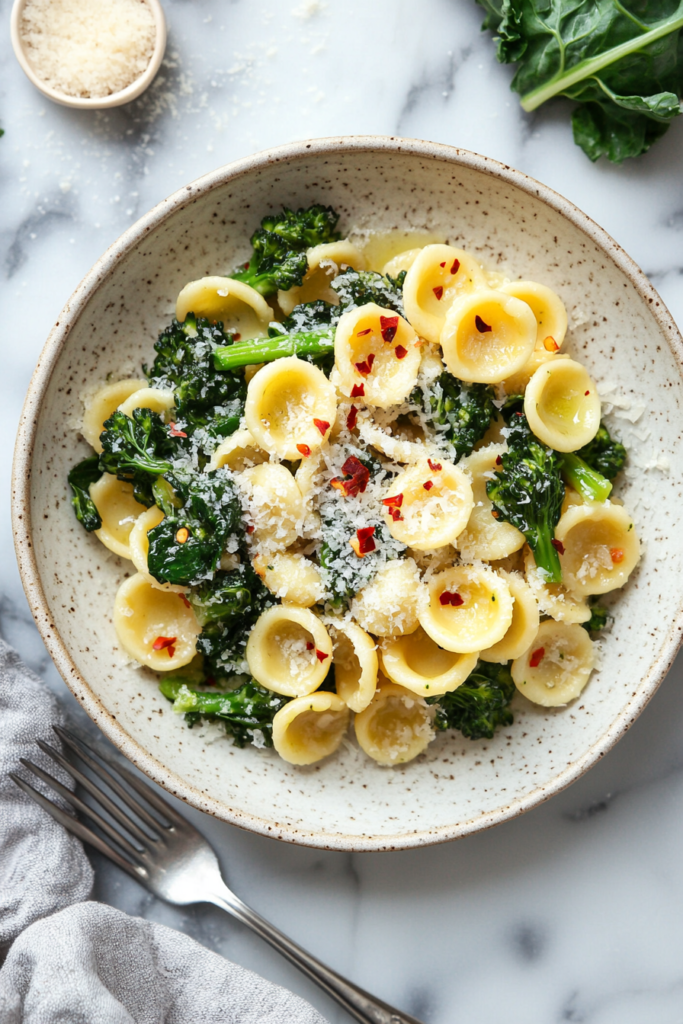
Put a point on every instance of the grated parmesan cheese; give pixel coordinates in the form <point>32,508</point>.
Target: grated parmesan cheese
<point>88,48</point>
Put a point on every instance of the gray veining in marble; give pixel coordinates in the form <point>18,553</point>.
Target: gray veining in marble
<point>575,912</point>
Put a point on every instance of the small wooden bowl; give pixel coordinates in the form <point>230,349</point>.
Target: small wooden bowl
<point>116,99</point>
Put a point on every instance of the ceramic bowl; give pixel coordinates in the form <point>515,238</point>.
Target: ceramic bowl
<point>116,99</point>
<point>620,330</point>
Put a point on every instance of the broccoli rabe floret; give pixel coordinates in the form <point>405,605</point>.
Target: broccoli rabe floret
<point>278,260</point>
<point>527,491</point>
<point>137,449</point>
<point>201,511</point>
<point>81,476</point>
<point>245,711</point>
<point>480,705</point>
<point>461,413</point>
<point>358,287</point>
<point>599,620</point>
<point>204,396</point>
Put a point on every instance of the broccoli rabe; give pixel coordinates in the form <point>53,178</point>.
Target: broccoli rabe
<point>599,620</point>
<point>278,260</point>
<point>309,331</point>
<point>480,705</point>
<point>578,474</point>
<point>201,510</point>
<point>226,607</point>
<point>204,396</point>
<point>137,449</point>
<point>590,469</point>
<point>81,476</point>
<point>461,413</point>
<point>527,491</point>
<point>246,712</point>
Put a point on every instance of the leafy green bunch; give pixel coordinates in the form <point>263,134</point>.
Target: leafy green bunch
<point>244,711</point>
<point>621,62</point>
<point>461,413</point>
<point>480,705</point>
<point>278,260</point>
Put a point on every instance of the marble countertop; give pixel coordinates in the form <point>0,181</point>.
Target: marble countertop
<point>575,911</point>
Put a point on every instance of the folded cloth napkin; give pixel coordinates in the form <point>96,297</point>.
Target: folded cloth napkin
<point>91,964</point>
<point>87,963</point>
<point>42,867</point>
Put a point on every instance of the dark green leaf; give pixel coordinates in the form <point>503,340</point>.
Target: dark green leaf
<point>480,705</point>
<point>80,478</point>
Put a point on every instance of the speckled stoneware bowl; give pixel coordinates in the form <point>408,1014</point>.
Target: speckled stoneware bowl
<point>621,330</point>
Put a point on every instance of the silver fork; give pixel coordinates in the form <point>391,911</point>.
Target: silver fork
<point>174,861</point>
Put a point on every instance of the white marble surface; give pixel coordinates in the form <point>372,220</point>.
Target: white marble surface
<point>574,912</point>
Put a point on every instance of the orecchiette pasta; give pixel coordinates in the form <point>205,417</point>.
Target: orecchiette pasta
<point>157,628</point>
<point>274,505</point>
<point>289,650</point>
<point>428,505</point>
<point>102,404</point>
<point>291,577</point>
<point>485,537</point>
<point>556,667</point>
<point>469,609</point>
<point>118,510</point>
<point>290,408</point>
<point>307,729</point>
<point>376,355</point>
<point>554,598</point>
<point>437,277</point>
<point>157,399</point>
<point>324,263</point>
<point>562,405</point>
<point>524,625</point>
<point>231,302</point>
<point>395,727</point>
<point>389,605</point>
<point>518,382</point>
<point>417,663</point>
<point>355,665</point>
<point>547,307</point>
<point>138,543</point>
<point>401,261</point>
<point>600,547</point>
<point>488,336</point>
<point>238,452</point>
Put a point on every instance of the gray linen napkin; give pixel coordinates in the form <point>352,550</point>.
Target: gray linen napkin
<point>91,964</point>
<point>88,963</point>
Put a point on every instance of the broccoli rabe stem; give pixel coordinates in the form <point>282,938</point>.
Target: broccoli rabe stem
<point>545,555</point>
<point>195,700</point>
<point>591,485</point>
<point>265,350</point>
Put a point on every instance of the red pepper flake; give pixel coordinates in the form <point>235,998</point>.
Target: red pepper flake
<point>617,555</point>
<point>428,484</point>
<point>365,367</point>
<point>480,325</point>
<point>395,514</point>
<point>442,264</point>
<point>388,326</point>
<point>537,657</point>
<point>322,425</point>
<point>182,535</point>
<point>236,337</point>
<point>456,267</point>
<point>438,291</point>
<point>184,600</point>
<point>321,656</point>
<point>451,597</point>
<point>400,352</point>
<point>174,432</point>
<point>366,541</point>
<point>358,475</point>
<point>352,418</point>
<point>250,529</point>
<point>393,501</point>
<point>246,265</point>
<point>304,449</point>
<point>165,643</point>
<point>309,646</point>
<point>434,466</point>
<point>586,392</point>
<point>358,391</point>
<point>499,461</point>
<point>558,545</point>
<point>494,513</point>
<point>549,344</point>
<point>209,681</point>
<point>361,334</point>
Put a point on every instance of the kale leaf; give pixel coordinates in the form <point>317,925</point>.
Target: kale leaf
<point>244,711</point>
<point>81,476</point>
<point>621,62</point>
<point>186,547</point>
<point>480,705</point>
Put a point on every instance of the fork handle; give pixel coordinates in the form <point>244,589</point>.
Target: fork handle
<point>356,1001</point>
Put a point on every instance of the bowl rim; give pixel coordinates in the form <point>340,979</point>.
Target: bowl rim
<point>116,99</point>
<point>21,486</point>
